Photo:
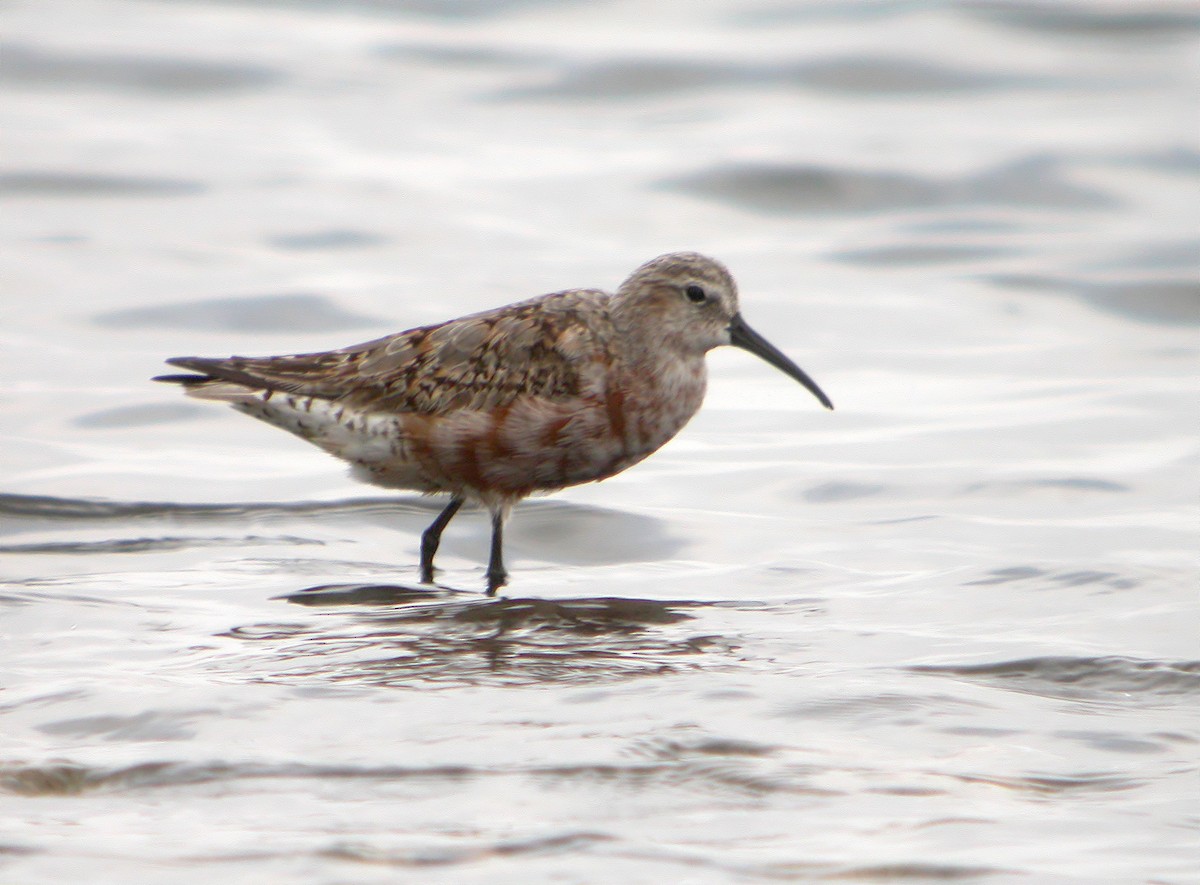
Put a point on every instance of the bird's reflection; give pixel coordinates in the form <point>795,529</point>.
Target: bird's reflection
<point>423,636</point>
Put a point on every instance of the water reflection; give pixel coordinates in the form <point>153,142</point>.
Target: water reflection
<point>411,636</point>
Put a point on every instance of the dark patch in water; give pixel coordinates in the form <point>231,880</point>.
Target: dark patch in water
<point>1159,301</point>
<point>54,510</point>
<point>866,76</point>
<point>67,779</point>
<point>877,707</point>
<point>789,11</point>
<point>148,726</point>
<point>1027,282</point>
<point>445,855</point>
<point>450,10</point>
<point>832,492</point>
<point>335,238</point>
<point>84,184</point>
<point>737,776</point>
<point>139,416</point>
<point>63,239</point>
<point>1061,785</point>
<point>1088,577</point>
<point>886,76</point>
<point>39,67</point>
<point>1005,575</point>
<point>985,731</point>
<point>635,77</point>
<point>779,188</point>
<point>965,224</point>
<point>918,254</point>
<point>1069,483</point>
<point>461,56</point>
<point>152,545</point>
<point>678,748</point>
<point>1113,742</point>
<point>297,312</point>
<point>917,872</point>
<point>1082,578</point>
<point>1180,255</point>
<point>707,763</point>
<point>1131,21</point>
<point>1101,679</point>
<point>362,594</point>
<point>795,188</point>
<point>1172,302</point>
<point>1177,161</point>
<point>1084,484</point>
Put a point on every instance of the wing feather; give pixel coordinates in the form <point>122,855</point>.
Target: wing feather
<point>539,348</point>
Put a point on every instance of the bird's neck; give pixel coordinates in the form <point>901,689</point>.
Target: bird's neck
<point>662,381</point>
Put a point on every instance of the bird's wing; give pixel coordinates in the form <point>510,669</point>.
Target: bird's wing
<point>540,348</point>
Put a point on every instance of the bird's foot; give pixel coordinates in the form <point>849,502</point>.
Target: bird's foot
<point>496,580</point>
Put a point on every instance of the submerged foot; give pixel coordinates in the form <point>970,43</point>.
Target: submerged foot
<point>496,580</point>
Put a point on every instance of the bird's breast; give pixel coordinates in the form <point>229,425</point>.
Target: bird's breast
<point>656,404</point>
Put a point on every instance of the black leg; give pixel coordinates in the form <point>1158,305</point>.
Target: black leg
<point>496,575</point>
<point>432,537</point>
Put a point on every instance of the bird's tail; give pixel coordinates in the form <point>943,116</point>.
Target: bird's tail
<point>210,388</point>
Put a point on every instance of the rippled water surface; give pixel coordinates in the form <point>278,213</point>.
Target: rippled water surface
<point>947,632</point>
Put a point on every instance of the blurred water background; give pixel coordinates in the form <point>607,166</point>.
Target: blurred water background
<point>948,632</point>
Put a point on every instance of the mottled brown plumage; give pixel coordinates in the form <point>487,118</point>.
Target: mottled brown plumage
<point>481,361</point>
<point>558,390</point>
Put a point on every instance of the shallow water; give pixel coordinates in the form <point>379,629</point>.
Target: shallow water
<point>947,632</point>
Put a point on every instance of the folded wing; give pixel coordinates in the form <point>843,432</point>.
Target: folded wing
<point>540,348</point>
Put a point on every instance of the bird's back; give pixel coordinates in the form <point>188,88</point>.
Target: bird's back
<point>486,360</point>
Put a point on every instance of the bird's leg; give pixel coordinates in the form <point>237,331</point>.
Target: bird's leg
<point>432,537</point>
<point>497,577</point>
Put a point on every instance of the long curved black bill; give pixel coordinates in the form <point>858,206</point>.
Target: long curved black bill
<point>741,335</point>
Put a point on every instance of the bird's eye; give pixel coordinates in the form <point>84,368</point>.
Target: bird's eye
<point>695,294</point>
